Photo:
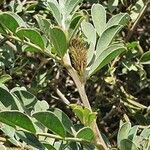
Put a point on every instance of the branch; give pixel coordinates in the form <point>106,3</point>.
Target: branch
<point>98,141</point>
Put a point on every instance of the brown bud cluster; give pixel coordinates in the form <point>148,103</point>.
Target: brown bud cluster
<point>78,52</point>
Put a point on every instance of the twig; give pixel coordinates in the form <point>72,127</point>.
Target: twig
<point>61,138</point>
<point>110,113</point>
<point>138,19</point>
<point>63,98</point>
<point>8,43</point>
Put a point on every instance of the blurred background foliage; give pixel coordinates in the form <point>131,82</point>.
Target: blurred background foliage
<point>122,87</point>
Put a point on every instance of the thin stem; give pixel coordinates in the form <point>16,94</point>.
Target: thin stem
<point>45,51</point>
<point>61,138</point>
<point>61,95</point>
<point>138,19</point>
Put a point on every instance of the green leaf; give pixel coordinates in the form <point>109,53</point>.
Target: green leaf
<point>11,21</point>
<point>145,133</point>
<point>70,5</point>
<point>49,147</point>
<point>41,106</point>
<point>55,11</point>
<point>106,57</point>
<point>121,18</point>
<point>26,98</point>
<point>106,38</point>
<point>78,111</point>
<point>145,59</point>
<point>68,125</point>
<point>132,133</point>
<point>91,55</point>
<point>126,144</point>
<point>32,36</point>
<point>89,32</point>
<point>112,5</point>
<point>7,99</point>
<point>99,18</point>
<point>75,24</point>
<point>44,24</point>
<point>85,134</point>
<point>4,78</point>
<point>16,118</point>
<point>51,121</point>
<point>30,139</point>
<point>123,132</point>
<point>59,40</point>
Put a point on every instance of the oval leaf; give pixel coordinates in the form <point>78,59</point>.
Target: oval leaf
<point>7,99</point>
<point>16,118</point>
<point>85,134</point>
<point>70,5</point>
<point>55,11</point>
<point>65,120</point>
<point>58,38</point>
<point>126,144</point>
<point>51,121</point>
<point>106,38</point>
<point>106,57</point>
<point>89,32</point>
<point>145,59</point>
<point>11,21</point>
<point>121,19</point>
<point>31,36</point>
<point>123,132</point>
<point>99,18</point>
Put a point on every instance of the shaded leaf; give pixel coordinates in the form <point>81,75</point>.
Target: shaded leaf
<point>11,21</point>
<point>49,147</point>
<point>59,40</point>
<point>51,121</point>
<point>33,37</point>
<point>133,132</point>
<point>85,134</point>
<point>126,144</point>
<point>26,98</point>
<point>16,118</point>
<point>145,59</point>
<point>30,139</point>
<point>75,24</point>
<point>68,125</point>
<point>7,99</point>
